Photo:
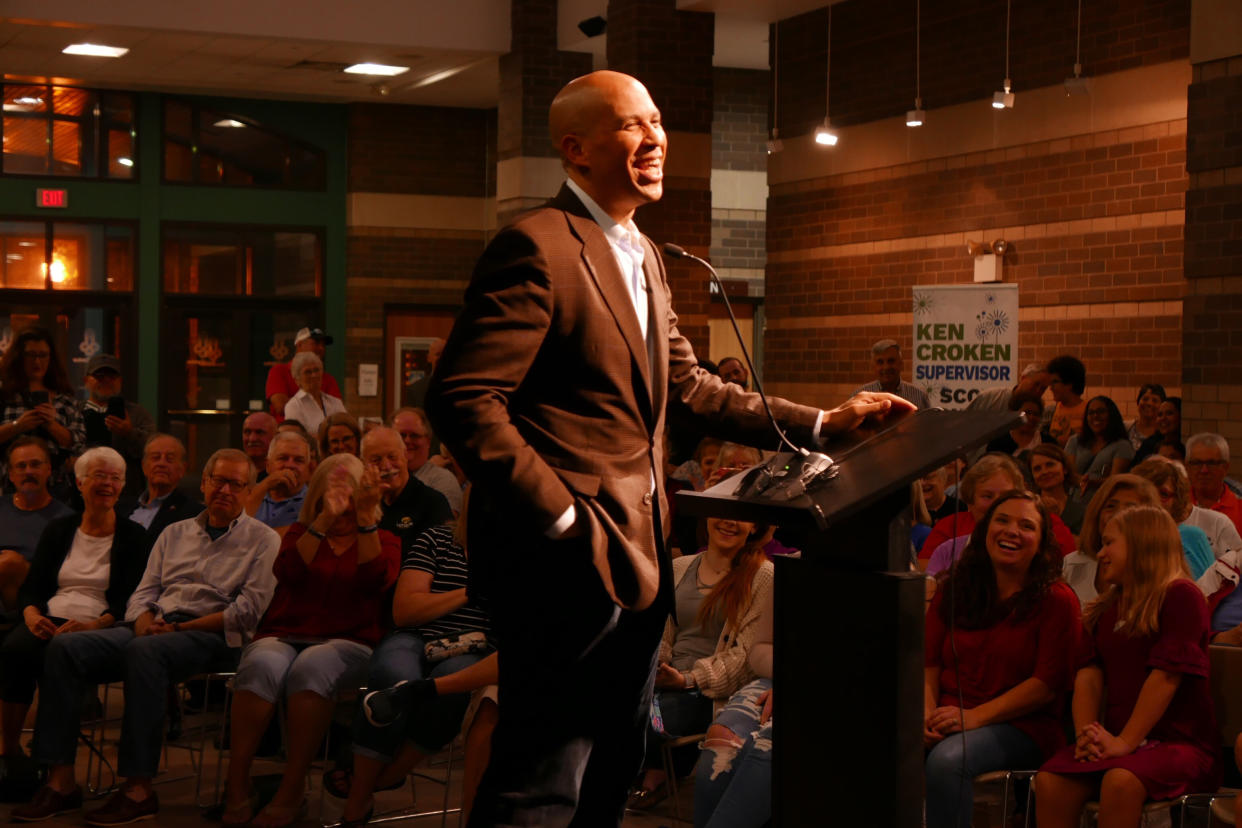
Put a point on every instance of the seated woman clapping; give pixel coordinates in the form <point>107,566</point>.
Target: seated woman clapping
<point>84,570</point>
<point>414,708</point>
<point>334,567</point>
<point>1000,639</point>
<point>1142,702</point>
<point>719,594</point>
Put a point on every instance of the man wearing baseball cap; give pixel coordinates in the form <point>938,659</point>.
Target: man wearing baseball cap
<point>280,384</point>
<point>111,420</point>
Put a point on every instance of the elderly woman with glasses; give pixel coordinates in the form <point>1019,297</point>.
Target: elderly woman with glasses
<point>333,572</point>
<point>84,570</point>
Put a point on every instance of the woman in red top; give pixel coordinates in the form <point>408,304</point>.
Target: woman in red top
<point>999,654</point>
<point>334,568</point>
<point>1153,734</point>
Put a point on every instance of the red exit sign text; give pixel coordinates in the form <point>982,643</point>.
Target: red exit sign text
<point>51,198</point>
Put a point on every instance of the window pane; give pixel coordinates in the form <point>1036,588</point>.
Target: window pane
<point>306,168</point>
<point>22,244</point>
<point>68,100</point>
<point>92,257</point>
<point>116,108</point>
<point>178,121</point>
<point>241,261</point>
<point>25,146</point>
<point>248,155</point>
<point>66,148</point>
<point>178,162</point>
<point>79,334</point>
<point>202,262</point>
<point>25,98</point>
<point>120,154</point>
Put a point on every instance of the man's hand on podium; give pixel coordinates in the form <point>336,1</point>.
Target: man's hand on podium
<point>864,409</point>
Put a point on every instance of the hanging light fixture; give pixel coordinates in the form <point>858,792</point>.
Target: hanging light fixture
<point>915,117</point>
<point>1004,100</point>
<point>1077,85</point>
<point>775,144</point>
<point>825,135</point>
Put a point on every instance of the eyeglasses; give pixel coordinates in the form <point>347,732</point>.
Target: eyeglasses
<point>227,482</point>
<point>37,355</point>
<point>105,477</point>
<point>1205,464</point>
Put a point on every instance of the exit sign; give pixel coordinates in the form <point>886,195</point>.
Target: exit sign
<point>51,198</point>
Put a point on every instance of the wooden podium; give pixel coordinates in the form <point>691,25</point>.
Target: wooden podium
<point>848,725</point>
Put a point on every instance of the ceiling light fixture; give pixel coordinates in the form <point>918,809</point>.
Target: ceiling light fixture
<point>1077,85</point>
<point>229,123</point>
<point>381,69</point>
<point>915,117</point>
<point>1004,100</point>
<point>825,135</point>
<point>94,50</point>
<point>125,162</point>
<point>28,100</point>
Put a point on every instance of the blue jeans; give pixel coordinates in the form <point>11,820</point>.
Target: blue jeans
<point>950,794</point>
<point>683,712</point>
<point>430,725</point>
<point>270,667</point>
<point>733,785</point>
<point>148,665</point>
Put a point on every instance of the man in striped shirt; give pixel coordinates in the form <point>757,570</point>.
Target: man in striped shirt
<point>888,365</point>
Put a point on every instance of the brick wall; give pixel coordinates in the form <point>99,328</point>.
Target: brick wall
<point>963,51</point>
<point>740,118</point>
<point>421,149</point>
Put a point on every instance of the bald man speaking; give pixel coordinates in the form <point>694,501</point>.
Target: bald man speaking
<point>551,394</point>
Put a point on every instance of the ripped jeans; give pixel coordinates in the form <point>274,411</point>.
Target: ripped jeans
<point>733,783</point>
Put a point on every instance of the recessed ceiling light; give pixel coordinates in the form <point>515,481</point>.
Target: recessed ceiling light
<point>229,123</point>
<point>94,50</point>
<point>375,69</point>
<point>27,100</point>
<point>125,162</point>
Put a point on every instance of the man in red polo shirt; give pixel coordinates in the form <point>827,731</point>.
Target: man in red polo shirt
<point>1207,460</point>
<point>280,384</point>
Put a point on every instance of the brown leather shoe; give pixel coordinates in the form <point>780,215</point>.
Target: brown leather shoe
<point>46,804</point>
<point>121,810</point>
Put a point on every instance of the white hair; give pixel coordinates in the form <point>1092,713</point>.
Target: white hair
<point>284,437</point>
<point>1209,440</point>
<point>100,455</point>
<point>301,361</point>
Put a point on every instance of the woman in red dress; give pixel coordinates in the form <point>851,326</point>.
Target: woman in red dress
<point>1153,734</point>
<point>1000,639</point>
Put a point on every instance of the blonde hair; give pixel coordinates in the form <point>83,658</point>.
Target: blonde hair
<point>1160,470</point>
<point>318,485</point>
<point>988,465</point>
<point>1154,559</point>
<point>1089,538</point>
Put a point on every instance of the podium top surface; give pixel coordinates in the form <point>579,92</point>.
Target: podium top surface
<point>871,467</point>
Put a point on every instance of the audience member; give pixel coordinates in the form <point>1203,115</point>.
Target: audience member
<point>334,567</point>
<point>731,369</point>
<point>1149,398</point>
<point>411,507</point>
<point>1143,718</point>
<point>277,501</point>
<point>718,595</point>
<point>1172,448</point>
<point>339,434</point>
<point>935,495</point>
<point>207,583</point>
<point>1034,380</point>
<point>24,514</point>
<point>82,575</point>
<point>886,356</point>
<point>998,657</point>
<point>1057,484</point>
<point>1168,428</point>
<point>111,420</point>
<point>293,426</point>
<point>1173,487</point>
<point>438,631</point>
<point>311,405</point>
<point>1026,435</point>
<point>281,386</point>
<point>1068,380</point>
<point>699,468</point>
<point>1121,491</point>
<point>415,431</point>
<point>161,503</point>
<point>1101,447</point>
<point>986,480</point>
<point>37,397</point>
<point>1207,458</point>
<point>258,429</point>
<point>733,777</point>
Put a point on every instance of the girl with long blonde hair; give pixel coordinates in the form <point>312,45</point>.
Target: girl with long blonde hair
<point>1153,734</point>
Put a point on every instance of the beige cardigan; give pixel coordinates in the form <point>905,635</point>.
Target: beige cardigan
<point>721,674</point>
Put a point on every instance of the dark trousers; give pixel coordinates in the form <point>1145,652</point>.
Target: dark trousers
<point>576,675</point>
<point>21,663</point>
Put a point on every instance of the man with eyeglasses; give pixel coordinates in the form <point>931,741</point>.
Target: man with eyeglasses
<point>415,431</point>
<point>1207,460</point>
<point>411,507</point>
<point>207,583</point>
<point>24,514</point>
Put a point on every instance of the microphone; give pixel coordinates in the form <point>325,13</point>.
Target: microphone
<point>674,251</point>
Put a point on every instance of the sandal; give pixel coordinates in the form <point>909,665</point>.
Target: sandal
<point>337,782</point>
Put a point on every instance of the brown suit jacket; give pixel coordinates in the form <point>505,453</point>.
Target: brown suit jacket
<point>548,396</point>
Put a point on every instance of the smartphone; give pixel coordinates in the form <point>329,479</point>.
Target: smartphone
<point>39,397</point>
<point>116,407</point>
